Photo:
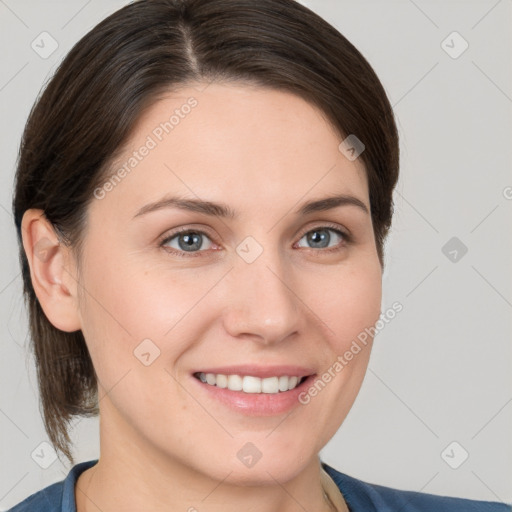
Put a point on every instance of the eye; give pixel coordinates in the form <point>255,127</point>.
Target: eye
<point>320,237</point>
<point>187,240</point>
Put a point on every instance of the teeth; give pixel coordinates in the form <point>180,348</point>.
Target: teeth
<point>235,382</point>
<point>221,381</point>
<point>250,384</point>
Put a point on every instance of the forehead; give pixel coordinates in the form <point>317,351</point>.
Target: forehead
<point>229,141</point>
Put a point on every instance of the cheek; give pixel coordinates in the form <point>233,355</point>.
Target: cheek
<point>133,314</point>
<point>348,305</point>
<point>348,302</point>
<point>118,313</point>
<point>125,317</point>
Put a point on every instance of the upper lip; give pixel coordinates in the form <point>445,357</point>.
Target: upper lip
<point>260,371</point>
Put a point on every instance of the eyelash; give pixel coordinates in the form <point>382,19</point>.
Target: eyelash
<point>347,240</point>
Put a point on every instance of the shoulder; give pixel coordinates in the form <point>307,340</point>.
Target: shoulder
<point>57,497</point>
<point>364,496</point>
<point>48,499</point>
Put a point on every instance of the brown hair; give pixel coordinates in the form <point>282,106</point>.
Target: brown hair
<point>80,122</point>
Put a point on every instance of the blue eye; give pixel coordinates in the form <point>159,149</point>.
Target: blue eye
<point>320,237</point>
<point>190,242</point>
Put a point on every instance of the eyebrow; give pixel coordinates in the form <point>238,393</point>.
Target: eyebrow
<point>224,211</point>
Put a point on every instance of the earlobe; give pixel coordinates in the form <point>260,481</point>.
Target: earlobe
<point>54,283</point>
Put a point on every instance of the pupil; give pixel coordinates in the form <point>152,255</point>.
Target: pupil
<point>190,241</point>
<point>324,236</point>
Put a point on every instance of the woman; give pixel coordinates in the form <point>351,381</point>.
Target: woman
<point>202,197</point>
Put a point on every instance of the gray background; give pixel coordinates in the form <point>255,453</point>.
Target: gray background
<point>441,370</point>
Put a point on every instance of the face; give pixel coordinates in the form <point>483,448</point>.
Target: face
<point>171,291</point>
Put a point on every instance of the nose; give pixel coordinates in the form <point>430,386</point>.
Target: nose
<point>261,301</point>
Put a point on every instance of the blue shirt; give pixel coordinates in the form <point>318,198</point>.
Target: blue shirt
<point>360,497</point>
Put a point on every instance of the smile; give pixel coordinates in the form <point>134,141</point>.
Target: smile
<point>251,384</point>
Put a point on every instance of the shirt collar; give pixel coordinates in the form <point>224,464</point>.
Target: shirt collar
<point>68,492</point>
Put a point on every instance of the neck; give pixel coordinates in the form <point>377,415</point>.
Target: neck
<point>135,476</point>
<point>108,488</point>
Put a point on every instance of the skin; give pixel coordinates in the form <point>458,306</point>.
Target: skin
<point>165,445</point>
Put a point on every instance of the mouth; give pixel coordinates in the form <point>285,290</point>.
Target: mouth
<point>252,384</point>
<point>254,390</point>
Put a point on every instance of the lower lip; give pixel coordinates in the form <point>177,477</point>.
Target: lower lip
<point>257,404</point>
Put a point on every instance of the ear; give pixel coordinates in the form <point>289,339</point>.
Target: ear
<point>52,271</point>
